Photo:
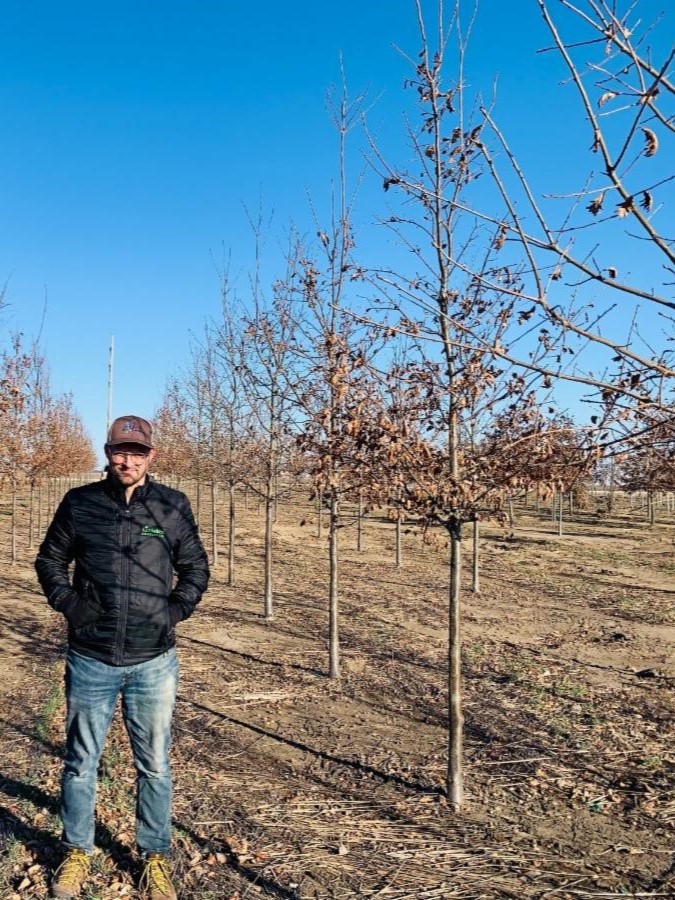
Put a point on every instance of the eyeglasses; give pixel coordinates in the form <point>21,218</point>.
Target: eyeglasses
<point>123,455</point>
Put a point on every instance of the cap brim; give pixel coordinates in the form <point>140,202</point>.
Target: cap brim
<point>111,445</point>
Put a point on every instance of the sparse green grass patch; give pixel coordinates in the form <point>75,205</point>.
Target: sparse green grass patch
<point>51,708</point>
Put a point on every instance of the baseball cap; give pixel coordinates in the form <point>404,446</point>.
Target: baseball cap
<point>130,430</point>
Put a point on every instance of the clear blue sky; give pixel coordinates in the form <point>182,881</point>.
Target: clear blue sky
<point>133,134</point>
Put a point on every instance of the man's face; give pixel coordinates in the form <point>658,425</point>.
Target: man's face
<point>129,463</point>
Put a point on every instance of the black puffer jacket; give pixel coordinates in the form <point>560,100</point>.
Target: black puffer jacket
<point>122,604</point>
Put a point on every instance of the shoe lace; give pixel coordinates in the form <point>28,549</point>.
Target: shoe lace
<point>73,869</point>
<point>156,875</point>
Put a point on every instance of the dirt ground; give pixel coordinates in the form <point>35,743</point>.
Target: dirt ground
<point>292,785</point>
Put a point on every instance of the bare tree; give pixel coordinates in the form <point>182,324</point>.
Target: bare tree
<point>229,342</point>
<point>333,350</point>
<point>649,466</point>
<point>573,241</point>
<point>42,436</point>
<point>462,308</point>
<point>270,383</point>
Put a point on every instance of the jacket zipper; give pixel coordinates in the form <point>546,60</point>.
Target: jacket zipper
<point>126,586</point>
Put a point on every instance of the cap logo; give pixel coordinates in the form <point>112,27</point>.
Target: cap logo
<point>132,430</point>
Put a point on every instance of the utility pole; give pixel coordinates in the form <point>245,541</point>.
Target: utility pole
<point>111,357</point>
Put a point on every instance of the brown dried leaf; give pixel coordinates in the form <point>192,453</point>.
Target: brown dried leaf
<point>500,240</point>
<point>651,142</point>
<point>595,205</point>
<point>651,94</point>
<point>646,201</point>
<point>623,209</point>
<point>606,97</point>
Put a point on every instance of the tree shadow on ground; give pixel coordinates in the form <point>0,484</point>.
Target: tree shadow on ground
<point>31,733</point>
<point>42,843</point>
<point>626,585</point>
<point>45,844</point>
<point>251,657</point>
<point>33,637</point>
<point>352,764</point>
<point>24,586</point>
<point>253,877</point>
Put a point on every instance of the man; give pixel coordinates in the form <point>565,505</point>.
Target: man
<point>129,536</point>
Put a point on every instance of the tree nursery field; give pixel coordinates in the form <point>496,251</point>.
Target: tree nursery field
<point>293,785</point>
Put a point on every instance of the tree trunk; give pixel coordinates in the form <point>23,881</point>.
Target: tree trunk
<point>39,510</point>
<point>198,503</point>
<point>271,508</point>
<point>359,524</point>
<point>475,580</point>
<point>456,717</point>
<point>214,520</point>
<point>560,513</point>
<point>269,521</point>
<point>13,519</point>
<point>31,516</point>
<point>319,521</point>
<point>231,533</point>
<point>398,543</point>
<point>399,547</point>
<point>333,625</point>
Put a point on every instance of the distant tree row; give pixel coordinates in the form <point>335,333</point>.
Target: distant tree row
<point>41,435</point>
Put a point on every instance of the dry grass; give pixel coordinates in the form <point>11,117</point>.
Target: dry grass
<point>292,786</point>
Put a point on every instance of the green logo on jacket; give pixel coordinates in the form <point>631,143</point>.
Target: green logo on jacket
<point>152,531</point>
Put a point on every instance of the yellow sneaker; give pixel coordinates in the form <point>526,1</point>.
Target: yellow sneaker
<point>70,875</point>
<point>156,878</point>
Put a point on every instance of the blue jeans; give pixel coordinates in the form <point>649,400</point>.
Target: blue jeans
<point>148,697</point>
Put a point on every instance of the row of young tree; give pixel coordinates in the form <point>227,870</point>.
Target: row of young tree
<point>42,437</point>
<point>429,381</point>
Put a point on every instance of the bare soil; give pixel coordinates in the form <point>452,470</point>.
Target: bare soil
<point>292,785</point>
